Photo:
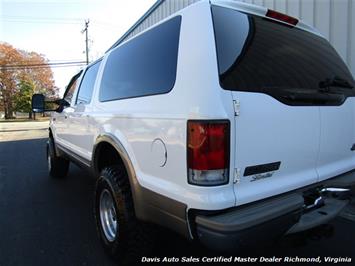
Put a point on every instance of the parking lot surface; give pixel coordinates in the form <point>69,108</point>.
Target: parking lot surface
<point>23,130</point>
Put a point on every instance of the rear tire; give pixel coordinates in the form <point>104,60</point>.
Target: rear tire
<point>57,167</point>
<point>123,236</point>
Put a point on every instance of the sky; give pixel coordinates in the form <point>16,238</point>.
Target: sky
<point>53,28</point>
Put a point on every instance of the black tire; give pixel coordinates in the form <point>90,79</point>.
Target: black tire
<point>133,238</point>
<point>57,167</point>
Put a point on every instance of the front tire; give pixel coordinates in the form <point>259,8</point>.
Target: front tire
<point>57,167</point>
<point>124,237</point>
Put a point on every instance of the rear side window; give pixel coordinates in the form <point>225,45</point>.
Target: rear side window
<point>87,84</point>
<point>146,65</point>
<point>256,54</point>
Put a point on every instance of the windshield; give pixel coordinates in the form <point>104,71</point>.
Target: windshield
<point>256,54</point>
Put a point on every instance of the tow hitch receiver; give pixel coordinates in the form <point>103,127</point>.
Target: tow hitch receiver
<point>329,203</point>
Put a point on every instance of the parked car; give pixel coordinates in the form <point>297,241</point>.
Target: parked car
<point>223,122</point>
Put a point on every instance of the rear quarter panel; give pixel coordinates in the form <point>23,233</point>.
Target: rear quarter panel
<point>137,122</point>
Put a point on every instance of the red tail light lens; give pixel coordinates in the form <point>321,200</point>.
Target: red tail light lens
<point>281,17</point>
<point>208,152</point>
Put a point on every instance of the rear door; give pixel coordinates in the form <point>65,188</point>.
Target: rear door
<point>287,117</point>
<point>276,146</point>
<point>337,139</point>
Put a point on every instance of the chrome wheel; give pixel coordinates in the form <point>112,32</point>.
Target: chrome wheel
<point>108,216</point>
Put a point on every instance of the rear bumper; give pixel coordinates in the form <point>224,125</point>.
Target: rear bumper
<point>255,222</point>
<point>271,218</point>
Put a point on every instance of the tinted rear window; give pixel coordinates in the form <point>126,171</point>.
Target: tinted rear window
<point>259,55</point>
<point>146,65</point>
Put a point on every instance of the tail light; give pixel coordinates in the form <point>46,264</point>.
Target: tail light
<point>281,17</point>
<point>208,152</point>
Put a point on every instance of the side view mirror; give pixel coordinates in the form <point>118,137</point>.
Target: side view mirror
<point>39,104</point>
<point>61,102</point>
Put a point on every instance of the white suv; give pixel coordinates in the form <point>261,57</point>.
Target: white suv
<point>223,121</point>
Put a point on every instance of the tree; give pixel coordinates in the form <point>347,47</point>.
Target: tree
<point>8,78</point>
<point>24,96</point>
<point>19,79</point>
<point>41,77</point>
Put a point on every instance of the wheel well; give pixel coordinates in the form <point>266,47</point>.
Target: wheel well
<point>106,155</point>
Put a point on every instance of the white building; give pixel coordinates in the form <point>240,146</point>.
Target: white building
<point>335,19</point>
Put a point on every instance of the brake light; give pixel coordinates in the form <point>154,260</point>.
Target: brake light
<point>281,17</point>
<point>208,152</point>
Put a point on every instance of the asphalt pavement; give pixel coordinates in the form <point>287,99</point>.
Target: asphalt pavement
<point>44,221</point>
